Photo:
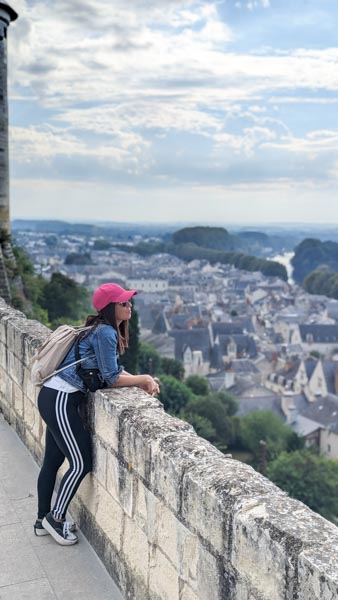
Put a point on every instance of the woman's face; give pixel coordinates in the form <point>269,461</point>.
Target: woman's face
<point>123,311</point>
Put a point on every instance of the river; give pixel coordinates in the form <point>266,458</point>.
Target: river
<point>285,259</point>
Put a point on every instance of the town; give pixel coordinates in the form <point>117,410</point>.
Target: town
<point>269,343</point>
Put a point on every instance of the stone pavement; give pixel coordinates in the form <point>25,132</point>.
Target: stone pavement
<point>37,568</point>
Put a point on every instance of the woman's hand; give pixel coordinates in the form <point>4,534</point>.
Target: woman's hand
<point>149,384</point>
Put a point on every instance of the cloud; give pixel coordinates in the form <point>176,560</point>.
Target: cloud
<point>252,4</point>
<point>31,146</point>
<point>152,93</point>
<point>313,143</point>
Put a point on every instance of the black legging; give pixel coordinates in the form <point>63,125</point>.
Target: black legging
<point>66,437</point>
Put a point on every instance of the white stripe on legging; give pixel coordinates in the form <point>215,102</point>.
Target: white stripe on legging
<point>70,441</point>
<point>75,453</point>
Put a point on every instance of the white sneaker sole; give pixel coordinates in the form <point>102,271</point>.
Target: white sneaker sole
<point>58,538</point>
<point>40,532</point>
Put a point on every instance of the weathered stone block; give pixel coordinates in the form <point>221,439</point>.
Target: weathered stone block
<point>109,517</point>
<point>188,594</point>
<point>15,369</point>
<point>105,422</point>
<point>15,334</point>
<point>312,582</point>
<point>3,356</point>
<point>145,509</point>
<point>5,386</point>
<point>177,451</point>
<point>17,395</point>
<point>113,476</point>
<point>28,413</point>
<point>266,576</point>
<point>212,488</point>
<point>126,489</point>
<point>141,432</point>
<point>39,426</point>
<point>103,508</point>
<point>164,530</point>
<point>278,528</point>
<point>31,390</point>
<point>188,554</point>
<point>34,335</point>
<point>208,581</point>
<point>163,579</point>
<point>100,462</point>
<point>120,483</point>
<point>135,549</point>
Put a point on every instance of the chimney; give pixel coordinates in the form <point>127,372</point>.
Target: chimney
<point>229,379</point>
<point>292,414</point>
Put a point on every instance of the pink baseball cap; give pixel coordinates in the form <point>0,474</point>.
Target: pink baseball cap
<point>110,292</point>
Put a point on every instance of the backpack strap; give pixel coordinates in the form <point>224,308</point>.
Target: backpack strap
<point>76,362</point>
<point>77,352</point>
<point>66,367</point>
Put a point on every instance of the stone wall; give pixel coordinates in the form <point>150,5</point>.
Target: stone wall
<point>170,516</point>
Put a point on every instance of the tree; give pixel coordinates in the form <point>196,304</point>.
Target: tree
<point>266,426</point>
<point>198,385</point>
<point>101,244</point>
<point>310,478</point>
<point>216,238</point>
<point>65,300</point>
<point>229,402</point>
<point>149,360</point>
<point>51,241</point>
<point>174,394</point>
<point>312,254</point>
<point>28,296</point>
<point>76,258</point>
<point>130,358</point>
<point>215,411</point>
<point>202,426</point>
<point>171,366</point>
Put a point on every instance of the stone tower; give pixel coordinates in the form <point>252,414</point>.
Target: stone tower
<point>7,15</point>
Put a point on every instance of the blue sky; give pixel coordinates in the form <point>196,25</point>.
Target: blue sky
<point>169,110</point>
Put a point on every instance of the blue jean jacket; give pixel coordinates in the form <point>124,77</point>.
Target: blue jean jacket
<point>99,351</point>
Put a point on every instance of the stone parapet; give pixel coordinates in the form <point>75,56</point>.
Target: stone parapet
<point>169,515</point>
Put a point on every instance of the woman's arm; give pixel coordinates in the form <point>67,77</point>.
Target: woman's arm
<point>145,382</point>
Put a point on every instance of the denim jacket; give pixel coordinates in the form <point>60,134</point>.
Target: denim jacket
<point>99,350</point>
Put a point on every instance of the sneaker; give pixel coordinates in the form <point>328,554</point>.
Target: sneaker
<point>39,529</point>
<point>59,531</point>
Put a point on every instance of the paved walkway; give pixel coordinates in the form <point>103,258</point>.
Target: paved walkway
<point>37,568</point>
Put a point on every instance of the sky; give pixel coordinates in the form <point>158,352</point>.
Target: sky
<point>174,110</point>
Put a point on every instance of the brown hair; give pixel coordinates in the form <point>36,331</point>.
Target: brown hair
<point>107,316</point>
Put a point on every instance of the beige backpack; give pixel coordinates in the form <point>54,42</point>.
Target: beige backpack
<point>50,355</point>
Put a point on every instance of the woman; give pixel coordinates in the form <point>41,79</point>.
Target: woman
<point>61,396</point>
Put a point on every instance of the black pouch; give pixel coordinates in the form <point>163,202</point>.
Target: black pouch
<point>90,377</point>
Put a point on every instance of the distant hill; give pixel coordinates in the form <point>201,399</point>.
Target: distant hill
<point>215,238</point>
<point>312,254</point>
<point>323,282</point>
<point>254,236</point>
<point>213,244</point>
<point>120,231</point>
<point>59,227</point>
